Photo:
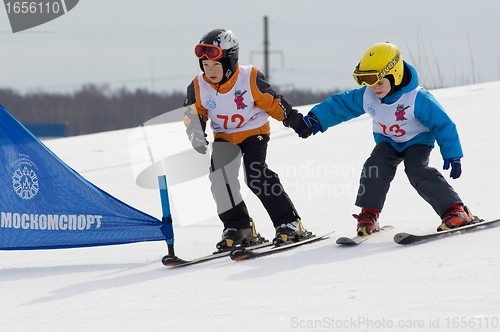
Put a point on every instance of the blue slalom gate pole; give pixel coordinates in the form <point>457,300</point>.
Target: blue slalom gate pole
<point>167,228</point>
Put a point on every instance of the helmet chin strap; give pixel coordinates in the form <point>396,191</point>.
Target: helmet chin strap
<point>227,75</point>
<point>404,82</point>
<point>393,85</point>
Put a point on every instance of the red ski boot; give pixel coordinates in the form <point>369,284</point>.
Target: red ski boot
<point>456,216</point>
<point>367,221</point>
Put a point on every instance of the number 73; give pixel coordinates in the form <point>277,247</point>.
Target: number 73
<point>398,132</point>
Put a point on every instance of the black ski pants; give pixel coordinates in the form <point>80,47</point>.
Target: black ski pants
<point>263,182</point>
<point>380,168</point>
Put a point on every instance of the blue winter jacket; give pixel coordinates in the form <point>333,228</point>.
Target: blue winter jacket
<point>348,105</point>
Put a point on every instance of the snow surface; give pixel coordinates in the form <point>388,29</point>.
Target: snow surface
<point>446,285</point>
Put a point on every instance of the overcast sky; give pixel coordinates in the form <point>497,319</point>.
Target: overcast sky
<point>316,43</point>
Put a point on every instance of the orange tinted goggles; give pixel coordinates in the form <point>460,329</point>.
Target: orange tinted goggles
<point>369,78</point>
<point>211,52</point>
<point>372,77</point>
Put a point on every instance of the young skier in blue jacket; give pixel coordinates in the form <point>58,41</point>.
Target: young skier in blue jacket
<point>407,120</point>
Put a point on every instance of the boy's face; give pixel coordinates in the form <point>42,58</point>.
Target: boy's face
<point>382,88</point>
<point>213,70</point>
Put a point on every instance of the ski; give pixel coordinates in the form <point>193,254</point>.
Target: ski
<point>354,241</point>
<point>248,253</point>
<point>174,261</point>
<point>407,238</point>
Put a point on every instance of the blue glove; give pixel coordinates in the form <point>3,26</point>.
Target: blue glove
<point>309,125</point>
<point>456,167</point>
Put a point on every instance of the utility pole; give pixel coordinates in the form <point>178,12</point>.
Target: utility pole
<point>266,50</point>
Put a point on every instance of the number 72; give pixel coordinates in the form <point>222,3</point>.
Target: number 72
<point>234,118</point>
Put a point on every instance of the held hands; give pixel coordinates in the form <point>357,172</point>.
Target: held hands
<point>309,125</point>
<point>456,167</point>
<point>304,126</point>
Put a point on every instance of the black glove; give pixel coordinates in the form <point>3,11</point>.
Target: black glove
<point>309,125</point>
<point>198,140</point>
<point>304,126</point>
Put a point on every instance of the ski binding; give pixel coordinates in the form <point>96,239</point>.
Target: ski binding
<point>360,239</point>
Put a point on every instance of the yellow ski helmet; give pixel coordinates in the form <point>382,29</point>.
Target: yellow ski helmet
<point>378,61</point>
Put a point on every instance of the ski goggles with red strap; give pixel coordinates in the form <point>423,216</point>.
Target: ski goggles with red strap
<point>211,52</point>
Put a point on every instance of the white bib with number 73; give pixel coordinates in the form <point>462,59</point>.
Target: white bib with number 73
<point>396,121</point>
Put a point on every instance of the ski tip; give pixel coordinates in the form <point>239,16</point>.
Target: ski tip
<point>240,254</point>
<point>173,264</point>
<point>345,241</point>
<point>401,238</point>
<point>240,257</point>
<point>170,260</point>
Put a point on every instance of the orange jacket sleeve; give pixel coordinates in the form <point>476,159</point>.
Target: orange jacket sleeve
<point>266,98</point>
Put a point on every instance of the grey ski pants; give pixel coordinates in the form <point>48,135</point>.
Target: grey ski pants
<point>263,182</point>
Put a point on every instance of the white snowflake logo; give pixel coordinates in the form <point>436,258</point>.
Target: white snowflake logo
<point>25,183</point>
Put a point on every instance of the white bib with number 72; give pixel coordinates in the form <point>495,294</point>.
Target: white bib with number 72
<point>235,110</point>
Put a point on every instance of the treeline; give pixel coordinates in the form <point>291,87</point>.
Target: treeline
<point>95,109</point>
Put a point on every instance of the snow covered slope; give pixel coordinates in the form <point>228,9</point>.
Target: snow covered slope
<point>446,285</point>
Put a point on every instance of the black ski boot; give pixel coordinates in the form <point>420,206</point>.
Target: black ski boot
<point>232,237</point>
<point>289,232</point>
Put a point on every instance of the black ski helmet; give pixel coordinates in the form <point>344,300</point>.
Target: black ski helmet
<point>226,40</point>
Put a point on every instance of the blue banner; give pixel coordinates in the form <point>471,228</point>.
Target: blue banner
<point>44,204</point>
